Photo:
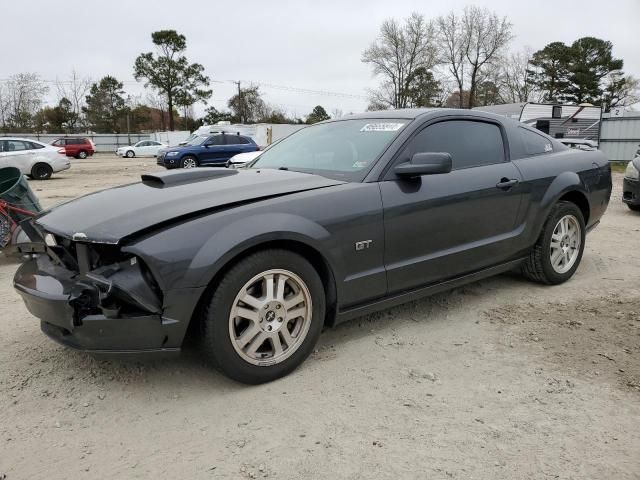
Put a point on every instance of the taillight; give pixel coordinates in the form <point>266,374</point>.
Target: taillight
<point>62,151</point>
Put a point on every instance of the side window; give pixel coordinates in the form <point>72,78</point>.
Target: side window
<point>556,111</point>
<point>215,140</point>
<point>58,143</point>
<point>469,143</point>
<point>236,140</point>
<point>35,146</point>
<point>534,144</point>
<point>16,145</point>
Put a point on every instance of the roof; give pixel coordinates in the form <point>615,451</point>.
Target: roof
<point>511,110</point>
<point>413,113</point>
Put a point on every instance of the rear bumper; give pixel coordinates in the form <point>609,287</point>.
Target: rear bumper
<point>50,293</point>
<point>62,167</point>
<point>631,191</point>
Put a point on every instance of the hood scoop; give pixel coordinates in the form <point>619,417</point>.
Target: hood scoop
<point>169,179</point>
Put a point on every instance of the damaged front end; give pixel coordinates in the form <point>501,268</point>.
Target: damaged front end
<point>91,296</point>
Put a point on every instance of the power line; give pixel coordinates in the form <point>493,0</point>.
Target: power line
<point>326,93</point>
<point>304,91</point>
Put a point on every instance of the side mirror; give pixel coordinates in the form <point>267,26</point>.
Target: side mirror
<point>424,164</point>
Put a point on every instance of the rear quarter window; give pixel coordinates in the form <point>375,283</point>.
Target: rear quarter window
<point>535,144</point>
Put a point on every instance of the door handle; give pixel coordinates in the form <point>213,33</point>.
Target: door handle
<point>506,183</point>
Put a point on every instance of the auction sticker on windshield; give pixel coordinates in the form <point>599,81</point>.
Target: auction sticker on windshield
<point>382,127</point>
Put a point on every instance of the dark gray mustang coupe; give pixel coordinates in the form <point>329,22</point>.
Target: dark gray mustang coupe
<point>338,220</point>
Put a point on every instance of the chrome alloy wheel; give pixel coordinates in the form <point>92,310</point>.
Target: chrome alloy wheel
<point>189,163</point>
<point>270,317</point>
<point>565,244</point>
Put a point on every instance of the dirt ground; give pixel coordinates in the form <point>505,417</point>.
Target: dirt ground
<point>502,379</point>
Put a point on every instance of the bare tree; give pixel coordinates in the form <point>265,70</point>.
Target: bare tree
<point>398,51</point>
<point>22,98</point>
<point>4,106</point>
<point>453,49</point>
<point>159,102</point>
<point>486,35</point>
<point>516,79</point>
<point>74,89</point>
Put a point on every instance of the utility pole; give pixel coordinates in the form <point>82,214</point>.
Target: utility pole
<point>240,104</point>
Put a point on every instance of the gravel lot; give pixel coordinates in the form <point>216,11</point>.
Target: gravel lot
<point>502,379</point>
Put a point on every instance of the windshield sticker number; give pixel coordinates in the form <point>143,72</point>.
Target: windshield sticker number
<point>382,127</point>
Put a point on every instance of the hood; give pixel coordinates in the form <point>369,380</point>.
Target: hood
<point>110,215</point>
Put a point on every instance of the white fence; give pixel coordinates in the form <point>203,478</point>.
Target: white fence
<point>104,142</point>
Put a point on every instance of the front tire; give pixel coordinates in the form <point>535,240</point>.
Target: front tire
<point>41,171</point>
<point>189,162</point>
<point>264,318</point>
<point>557,253</point>
<point>635,208</point>
<point>130,154</point>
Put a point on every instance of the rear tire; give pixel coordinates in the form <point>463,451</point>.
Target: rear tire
<point>82,154</point>
<point>635,208</point>
<point>271,333</point>
<point>41,171</point>
<point>557,253</point>
<point>189,162</point>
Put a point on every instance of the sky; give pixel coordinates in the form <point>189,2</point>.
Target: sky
<point>288,48</point>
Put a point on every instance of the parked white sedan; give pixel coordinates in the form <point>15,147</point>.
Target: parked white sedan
<point>35,159</point>
<point>144,148</point>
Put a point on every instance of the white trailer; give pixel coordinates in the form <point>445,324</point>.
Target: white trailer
<point>264,134</point>
<point>555,119</point>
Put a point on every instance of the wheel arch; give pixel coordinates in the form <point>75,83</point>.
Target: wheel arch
<point>566,187</point>
<point>578,198</point>
<point>310,253</point>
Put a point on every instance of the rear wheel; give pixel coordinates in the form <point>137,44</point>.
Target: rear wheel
<point>82,154</point>
<point>41,171</point>
<point>130,154</point>
<point>557,253</point>
<point>635,208</point>
<point>265,317</point>
<point>189,162</point>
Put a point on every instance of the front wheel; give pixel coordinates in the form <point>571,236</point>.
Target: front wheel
<point>189,162</point>
<point>265,317</point>
<point>130,154</point>
<point>557,253</point>
<point>635,208</point>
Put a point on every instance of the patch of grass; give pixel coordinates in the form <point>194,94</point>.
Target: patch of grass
<point>618,167</point>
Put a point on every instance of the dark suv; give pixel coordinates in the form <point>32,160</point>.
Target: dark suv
<point>212,150</point>
<point>78,147</point>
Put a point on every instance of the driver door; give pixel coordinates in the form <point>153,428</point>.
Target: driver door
<point>446,225</point>
<point>212,149</point>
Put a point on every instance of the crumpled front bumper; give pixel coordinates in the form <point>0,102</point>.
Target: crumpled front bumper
<point>631,191</point>
<point>55,295</point>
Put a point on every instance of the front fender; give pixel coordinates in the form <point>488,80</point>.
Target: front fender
<point>247,232</point>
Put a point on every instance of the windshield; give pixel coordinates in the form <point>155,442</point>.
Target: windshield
<point>199,140</point>
<point>344,149</point>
